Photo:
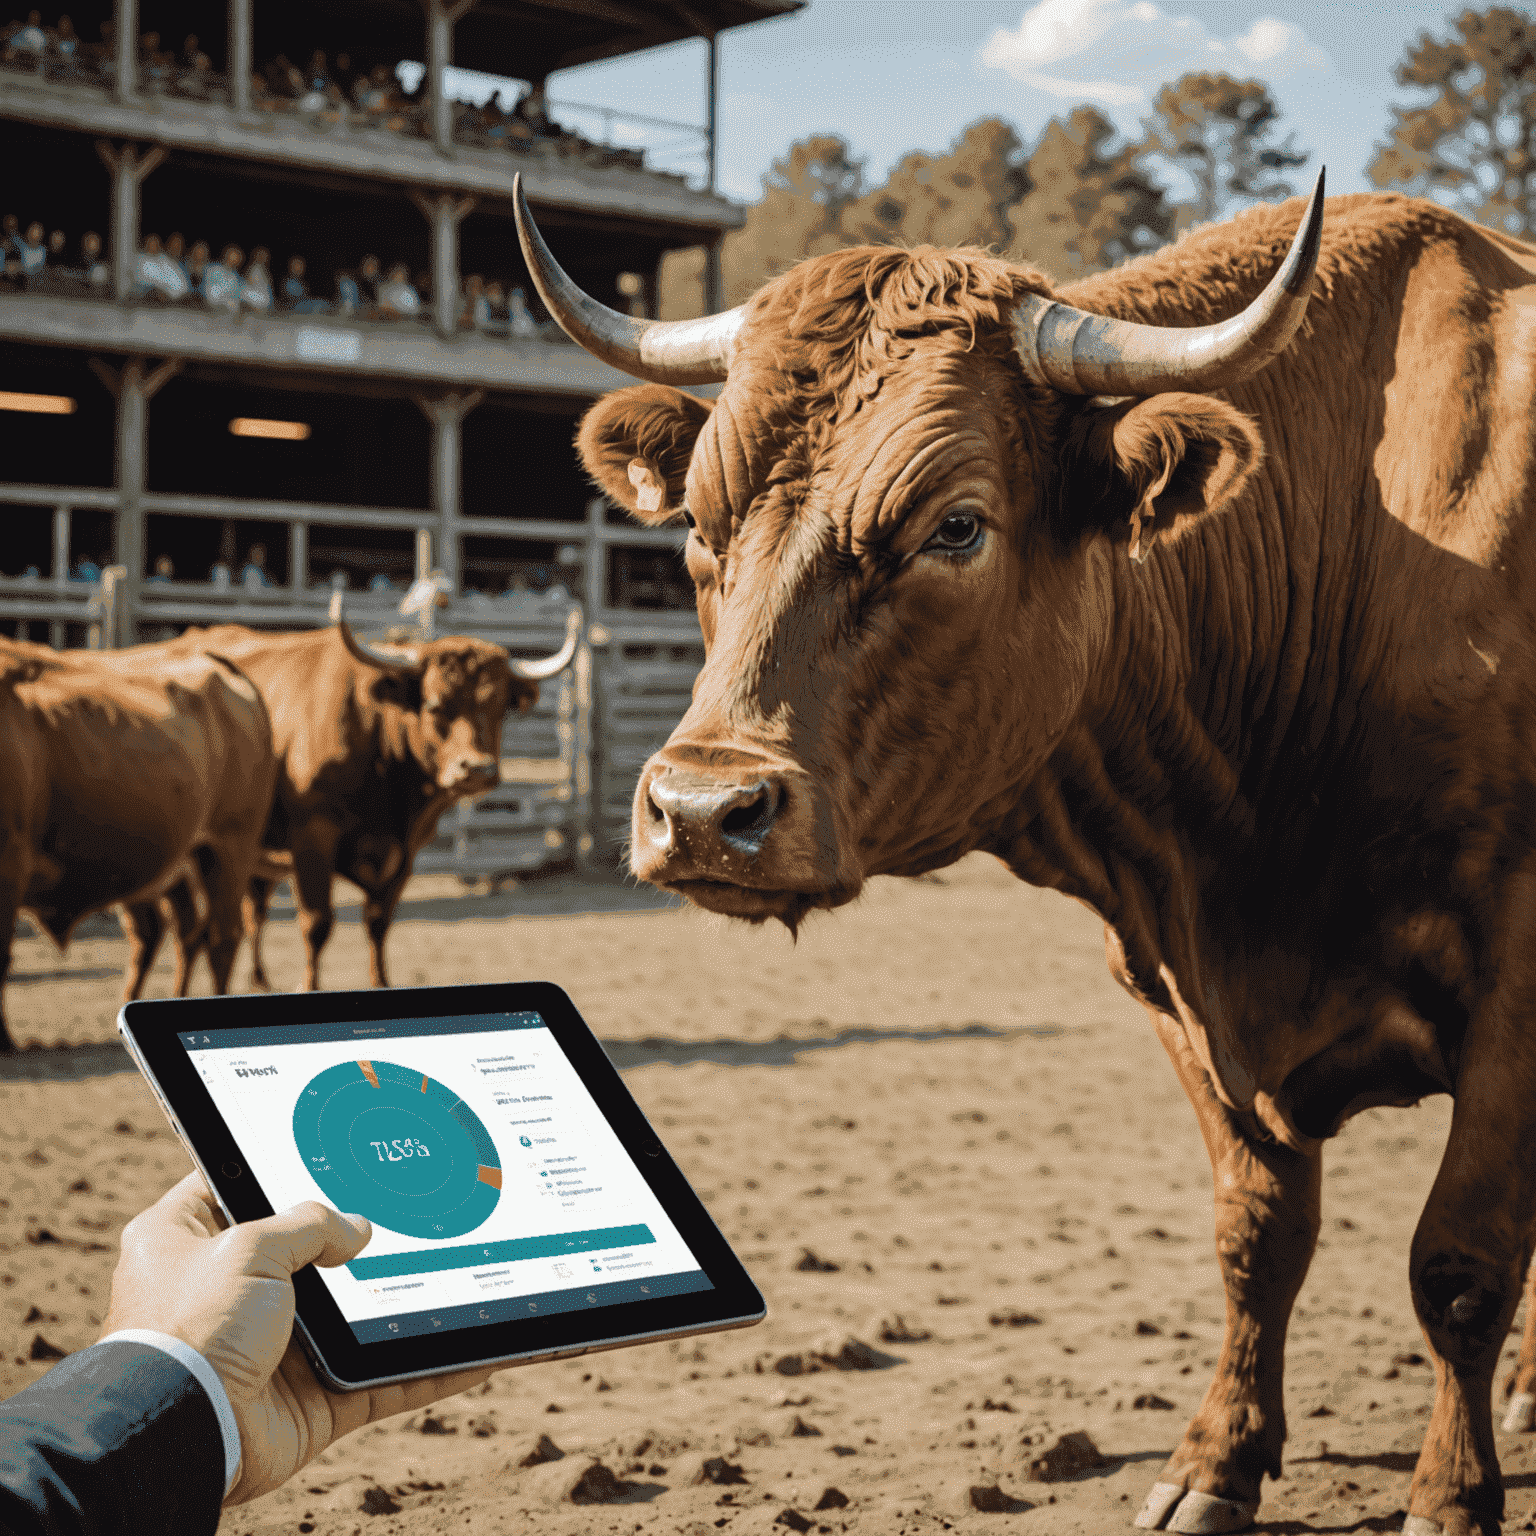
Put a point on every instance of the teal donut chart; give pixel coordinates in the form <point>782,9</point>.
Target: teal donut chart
<point>387,1142</point>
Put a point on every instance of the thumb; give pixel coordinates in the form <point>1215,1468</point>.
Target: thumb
<point>308,1233</point>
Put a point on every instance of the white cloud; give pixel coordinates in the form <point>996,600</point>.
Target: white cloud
<point>1119,54</point>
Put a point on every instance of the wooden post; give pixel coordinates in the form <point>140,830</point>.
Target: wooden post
<point>298,559</point>
<point>125,18</point>
<point>444,212</point>
<point>441,17</point>
<point>238,56</point>
<point>128,172</point>
<point>447,413</point>
<point>61,525</point>
<point>133,388</point>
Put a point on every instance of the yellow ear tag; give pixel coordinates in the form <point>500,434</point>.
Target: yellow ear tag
<point>650,491</point>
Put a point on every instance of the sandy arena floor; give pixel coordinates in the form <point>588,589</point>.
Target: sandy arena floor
<point>940,1098</point>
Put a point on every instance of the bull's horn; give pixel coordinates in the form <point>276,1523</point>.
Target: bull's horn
<point>551,666</point>
<point>405,664</point>
<point>1082,354</point>
<point>661,351</point>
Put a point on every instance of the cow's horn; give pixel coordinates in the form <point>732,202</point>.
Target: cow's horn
<point>551,666</point>
<point>404,664</point>
<point>1082,354</point>
<point>662,351</point>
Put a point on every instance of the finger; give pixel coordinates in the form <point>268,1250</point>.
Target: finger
<point>309,1233</point>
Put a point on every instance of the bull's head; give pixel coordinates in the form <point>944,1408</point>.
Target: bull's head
<point>902,512</point>
<point>459,690</point>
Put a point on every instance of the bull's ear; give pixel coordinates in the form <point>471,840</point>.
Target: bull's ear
<point>636,444</point>
<point>1147,467</point>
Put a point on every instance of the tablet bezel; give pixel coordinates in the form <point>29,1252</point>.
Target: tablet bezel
<point>151,1029</point>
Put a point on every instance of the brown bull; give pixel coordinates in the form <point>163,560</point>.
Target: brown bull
<point>118,771</point>
<point>374,745</point>
<point>1287,754</point>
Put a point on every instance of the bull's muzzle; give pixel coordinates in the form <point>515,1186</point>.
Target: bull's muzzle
<point>735,832</point>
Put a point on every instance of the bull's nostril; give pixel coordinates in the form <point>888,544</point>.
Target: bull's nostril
<point>656,812</point>
<point>750,822</point>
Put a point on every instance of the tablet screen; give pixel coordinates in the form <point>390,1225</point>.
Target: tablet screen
<point>496,1187</point>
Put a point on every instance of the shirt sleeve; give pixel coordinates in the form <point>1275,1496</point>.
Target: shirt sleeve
<point>119,1439</point>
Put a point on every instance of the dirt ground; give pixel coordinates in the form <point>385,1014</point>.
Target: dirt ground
<point>935,1115</point>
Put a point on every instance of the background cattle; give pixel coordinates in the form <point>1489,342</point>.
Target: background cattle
<point>374,745</point>
<point>1286,755</point>
<point>118,771</point>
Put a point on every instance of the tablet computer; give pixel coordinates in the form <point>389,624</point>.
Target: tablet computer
<point>523,1209</point>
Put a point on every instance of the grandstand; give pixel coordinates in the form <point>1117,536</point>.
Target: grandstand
<point>265,332</point>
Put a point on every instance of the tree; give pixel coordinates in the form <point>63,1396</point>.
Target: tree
<point>1476,139</point>
<point>1091,201</point>
<point>1220,131</point>
<point>958,198</point>
<point>799,215</point>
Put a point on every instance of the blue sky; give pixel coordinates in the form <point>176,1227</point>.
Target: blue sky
<point>897,75</point>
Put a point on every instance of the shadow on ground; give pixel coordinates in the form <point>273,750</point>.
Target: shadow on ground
<point>72,1063</point>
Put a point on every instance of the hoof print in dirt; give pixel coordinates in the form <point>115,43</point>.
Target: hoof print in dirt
<point>832,1498</point>
<point>794,1520</point>
<point>1071,1456</point>
<point>896,1330</point>
<point>991,1500</point>
<point>811,1264</point>
<point>576,1481</point>
<point>43,1350</point>
<point>535,1451</point>
<point>1012,1318</point>
<point>379,1501</point>
<point>1152,1400</point>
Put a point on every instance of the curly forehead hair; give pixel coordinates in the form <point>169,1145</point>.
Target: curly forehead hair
<point>839,322</point>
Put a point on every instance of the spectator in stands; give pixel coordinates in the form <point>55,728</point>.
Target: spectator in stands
<point>368,284</point>
<point>156,276</point>
<point>165,569</point>
<point>26,44</point>
<point>176,252</point>
<point>296,295</point>
<point>381,583</point>
<point>98,275</point>
<point>218,575</point>
<point>256,294</point>
<point>533,108</point>
<point>10,234</point>
<point>64,46</point>
<point>398,298</point>
<point>197,267</point>
<point>475,312</point>
<point>56,249</point>
<point>519,322</point>
<point>222,282</point>
<point>496,304</point>
<point>253,574</point>
<point>349,295</point>
<point>155,67</point>
<point>87,569</point>
<point>33,251</point>
<point>194,74</point>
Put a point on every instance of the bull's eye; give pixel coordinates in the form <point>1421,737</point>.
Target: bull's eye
<point>958,533</point>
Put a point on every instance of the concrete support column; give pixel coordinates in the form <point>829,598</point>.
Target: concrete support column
<point>298,558</point>
<point>441,17</point>
<point>125,21</point>
<point>134,387</point>
<point>444,212</point>
<point>128,170</point>
<point>447,413</point>
<point>61,527</point>
<point>238,56</point>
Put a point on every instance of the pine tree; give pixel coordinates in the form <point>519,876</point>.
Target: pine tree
<point>1220,131</point>
<point>1091,201</point>
<point>1475,141</point>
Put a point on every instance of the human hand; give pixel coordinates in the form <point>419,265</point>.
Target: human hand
<point>228,1292</point>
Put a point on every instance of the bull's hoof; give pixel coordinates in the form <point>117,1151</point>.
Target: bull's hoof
<point>1520,1416</point>
<point>1420,1525</point>
<point>1170,1507</point>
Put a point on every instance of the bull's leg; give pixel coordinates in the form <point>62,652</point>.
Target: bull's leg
<point>1520,1384</point>
<point>1467,1268</point>
<point>1267,1216</point>
<point>379,912</point>
<point>190,929</point>
<point>11,886</point>
<point>224,885</point>
<point>258,902</point>
<point>314,860</point>
<point>145,927</point>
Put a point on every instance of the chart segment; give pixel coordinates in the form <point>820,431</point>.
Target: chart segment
<point>392,1144</point>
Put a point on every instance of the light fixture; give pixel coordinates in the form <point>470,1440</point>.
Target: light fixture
<point>37,405</point>
<point>258,426</point>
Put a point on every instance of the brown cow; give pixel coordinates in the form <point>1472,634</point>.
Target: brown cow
<point>117,771</point>
<point>1287,754</point>
<point>374,745</point>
